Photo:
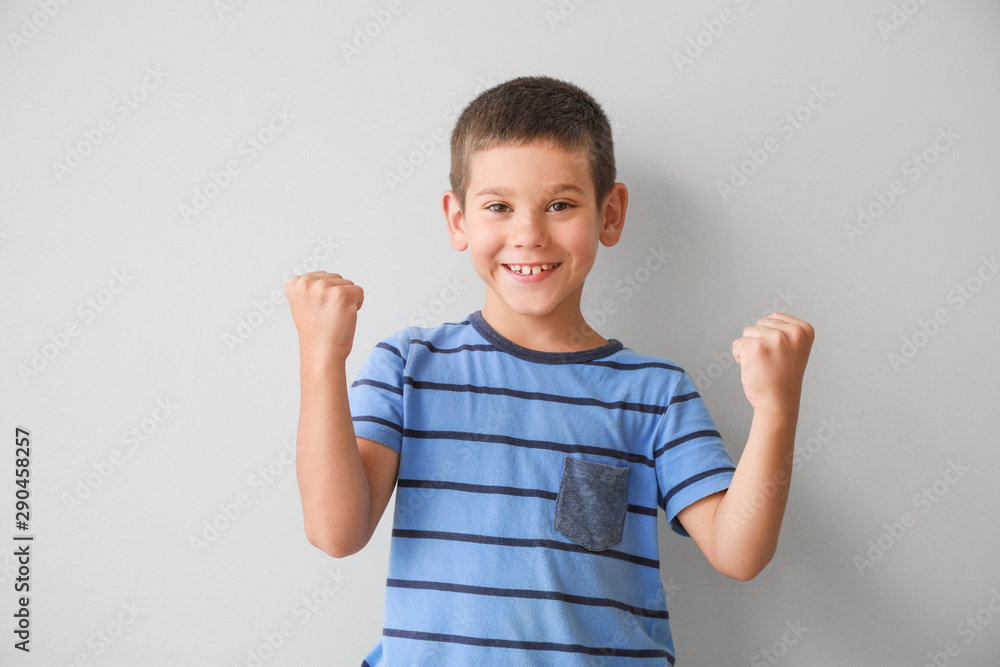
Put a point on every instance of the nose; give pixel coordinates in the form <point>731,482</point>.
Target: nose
<point>528,229</point>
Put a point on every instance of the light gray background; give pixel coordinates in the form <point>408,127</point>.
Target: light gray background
<point>680,130</point>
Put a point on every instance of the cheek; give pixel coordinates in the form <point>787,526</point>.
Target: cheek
<point>583,248</point>
<point>484,246</point>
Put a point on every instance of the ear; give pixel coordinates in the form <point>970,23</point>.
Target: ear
<point>456,220</point>
<point>613,214</point>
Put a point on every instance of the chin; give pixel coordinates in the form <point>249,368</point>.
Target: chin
<point>531,309</point>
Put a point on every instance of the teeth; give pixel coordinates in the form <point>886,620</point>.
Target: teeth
<point>530,270</point>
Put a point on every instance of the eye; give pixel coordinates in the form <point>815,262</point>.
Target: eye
<point>564,206</point>
<point>493,207</point>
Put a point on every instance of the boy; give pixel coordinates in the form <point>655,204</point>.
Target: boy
<point>531,452</point>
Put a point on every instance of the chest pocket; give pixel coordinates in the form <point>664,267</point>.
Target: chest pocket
<point>591,503</point>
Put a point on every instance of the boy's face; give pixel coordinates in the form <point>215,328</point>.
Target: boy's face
<point>532,207</point>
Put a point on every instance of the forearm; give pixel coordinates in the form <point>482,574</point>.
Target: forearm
<point>332,481</point>
<point>748,519</point>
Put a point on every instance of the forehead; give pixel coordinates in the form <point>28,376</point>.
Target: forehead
<point>537,164</point>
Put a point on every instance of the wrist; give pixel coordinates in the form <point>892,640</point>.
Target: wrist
<point>322,360</point>
<point>778,413</point>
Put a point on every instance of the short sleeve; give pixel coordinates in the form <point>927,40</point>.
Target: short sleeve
<point>690,458</point>
<point>376,395</point>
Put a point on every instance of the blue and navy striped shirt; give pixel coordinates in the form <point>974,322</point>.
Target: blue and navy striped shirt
<point>525,525</point>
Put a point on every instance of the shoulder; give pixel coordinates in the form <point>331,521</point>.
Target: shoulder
<point>657,372</point>
<point>444,337</point>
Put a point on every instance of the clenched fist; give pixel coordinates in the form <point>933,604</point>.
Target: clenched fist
<point>772,355</point>
<point>325,309</point>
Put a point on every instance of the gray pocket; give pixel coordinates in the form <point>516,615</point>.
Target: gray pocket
<point>591,504</point>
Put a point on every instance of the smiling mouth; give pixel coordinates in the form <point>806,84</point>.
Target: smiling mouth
<point>530,270</point>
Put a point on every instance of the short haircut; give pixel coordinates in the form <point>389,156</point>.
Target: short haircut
<point>531,108</point>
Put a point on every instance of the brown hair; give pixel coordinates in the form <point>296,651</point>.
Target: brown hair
<point>530,108</point>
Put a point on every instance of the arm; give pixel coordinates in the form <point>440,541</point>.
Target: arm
<point>737,529</point>
<point>345,482</point>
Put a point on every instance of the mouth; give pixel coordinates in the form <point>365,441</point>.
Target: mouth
<point>530,269</point>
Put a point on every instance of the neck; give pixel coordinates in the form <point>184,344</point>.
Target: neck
<point>561,330</point>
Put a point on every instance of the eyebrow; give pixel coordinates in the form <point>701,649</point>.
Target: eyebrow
<point>508,192</point>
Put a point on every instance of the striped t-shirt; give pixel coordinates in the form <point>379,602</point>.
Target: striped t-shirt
<point>525,525</point>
